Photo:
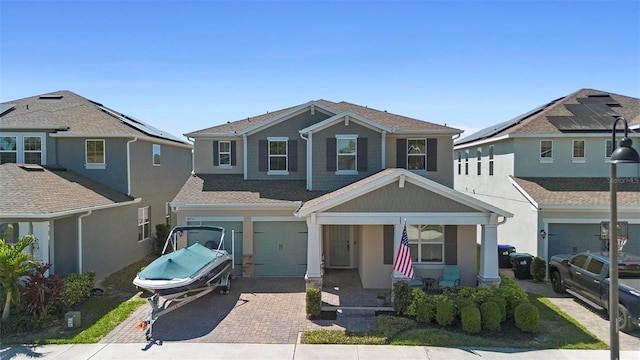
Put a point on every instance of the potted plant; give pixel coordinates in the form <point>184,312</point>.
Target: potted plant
<point>381,298</point>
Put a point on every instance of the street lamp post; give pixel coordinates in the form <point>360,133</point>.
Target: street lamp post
<point>620,155</point>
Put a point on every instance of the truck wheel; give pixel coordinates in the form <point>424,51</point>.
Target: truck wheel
<point>556,283</point>
<point>623,318</point>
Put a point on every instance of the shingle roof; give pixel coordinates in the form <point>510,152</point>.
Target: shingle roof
<point>538,122</point>
<point>65,110</point>
<point>40,191</point>
<point>387,119</point>
<point>233,189</point>
<point>579,191</point>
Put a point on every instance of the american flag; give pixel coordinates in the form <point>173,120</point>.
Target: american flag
<point>403,260</point>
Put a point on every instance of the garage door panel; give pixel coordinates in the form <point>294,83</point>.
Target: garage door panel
<point>572,238</point>
<point>280,249</point>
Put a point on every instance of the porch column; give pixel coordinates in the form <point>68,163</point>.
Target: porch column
<point>313,277</point>
<point>489,276</point>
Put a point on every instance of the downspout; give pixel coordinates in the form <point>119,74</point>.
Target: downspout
<point>308,140</point>
<point>80,239</point>
<point>129,164</point>
<point>244,155</point>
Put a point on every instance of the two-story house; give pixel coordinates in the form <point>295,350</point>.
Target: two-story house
<point>550,168</point>
<point>330,185</point>
<point>88,181</point>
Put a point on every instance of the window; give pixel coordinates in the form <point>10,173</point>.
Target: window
<point>23,149</point>
<point>595,266</point>
<point>479,160</point>
<point>578,151</point>
<point>224,153</point>
<point>491,153</point>
<point>32,149</point>
<point>95,154</point>
<point>277,155</point>
<point>546,151</point>
<point>426,243</point>
<point>416,154</point>
<point>10,232</point>
<point>8,149</point>
<point>466,162</point>
<point>156,155</point>
<point>459,163</point>
<point>608,148</point>
<point>144,227</point>
<point>347,153</point>
<point>579,261</point>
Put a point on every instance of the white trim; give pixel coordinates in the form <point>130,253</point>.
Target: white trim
<point>276,218</point>
<point>66,134</point>
<point>128,163</point>
<point>181,206</point>
<point>214,218</point>
<point>372,218</point>
<point>286,115</point>
<point>245,165</point>
<point>523,192</point>
<point>529,136</point>
<point>339,117</point>
<point>153,154</point>
<point>66,212</point>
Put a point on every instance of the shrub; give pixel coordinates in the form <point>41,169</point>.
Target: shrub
<point>470,318</point>
<point>502,305</point>
<point>445,310</point>
<point>538,268</point>
<point>401,296</point>
<point>391,326</point>
<point>463,302</point>
<point>41,296</point>
<point>491,316</point>
<point>527,317</point>
<point>421,306</point>
<point>314,302</point>
<point>77,288</point>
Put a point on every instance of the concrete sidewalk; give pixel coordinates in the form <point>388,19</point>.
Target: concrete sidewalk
<point>191,351</point>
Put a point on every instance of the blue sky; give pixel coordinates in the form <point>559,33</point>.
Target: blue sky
<point>186,66</point>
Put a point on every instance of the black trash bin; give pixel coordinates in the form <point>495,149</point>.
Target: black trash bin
<point>504,261</point>
<point>521,263</point>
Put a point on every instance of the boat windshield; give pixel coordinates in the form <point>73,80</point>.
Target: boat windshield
<point>211,237</point>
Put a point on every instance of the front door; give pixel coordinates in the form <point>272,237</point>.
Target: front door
<point>339,237</point>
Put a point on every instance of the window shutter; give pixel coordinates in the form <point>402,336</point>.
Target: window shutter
<point>263,155</point>
<point>432,154</point>
<point>216,160</point>
<point>292,154</point>
<point>362,154</point>
<point>451,245</point>
<point>233,153</point>
<point>401,153</point>
<point>332,154</point>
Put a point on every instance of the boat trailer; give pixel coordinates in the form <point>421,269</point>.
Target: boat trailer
<point>161,306</point>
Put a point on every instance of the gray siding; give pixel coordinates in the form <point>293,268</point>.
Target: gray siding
<point>157,185</point>
<point>328,180</point>
<point>288,128</point>
<point>71,155</point>
<point>411,198</point>
<point>110,240</point>
<point>65,244</point>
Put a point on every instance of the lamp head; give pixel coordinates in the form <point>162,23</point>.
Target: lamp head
<point>625,154</point>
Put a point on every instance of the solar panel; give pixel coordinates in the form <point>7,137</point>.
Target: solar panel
<point>581,123</point>
<point>591,109</point>
<point>599,99</point>
<point>5,108</point>
<point>137,124</point>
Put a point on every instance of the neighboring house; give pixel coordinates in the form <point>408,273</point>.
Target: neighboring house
<point>550,167</point>
<point>89,182</point>
<point>329,185</point>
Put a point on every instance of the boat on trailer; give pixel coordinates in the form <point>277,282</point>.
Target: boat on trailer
<point>193,263</point>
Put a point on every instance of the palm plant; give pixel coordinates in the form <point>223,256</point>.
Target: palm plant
<point>14,264</point>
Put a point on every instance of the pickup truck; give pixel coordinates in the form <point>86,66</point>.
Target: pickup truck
<point>585,275</point>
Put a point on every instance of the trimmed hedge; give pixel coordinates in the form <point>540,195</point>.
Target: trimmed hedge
<point>470,318</point>
<point>527,317</point>
<point>445,310</point>
<point>491,316</point>
<point>401,296</point>
<point>314,302</point>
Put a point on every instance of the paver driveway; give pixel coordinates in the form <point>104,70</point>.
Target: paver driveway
<point>257,310</point>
